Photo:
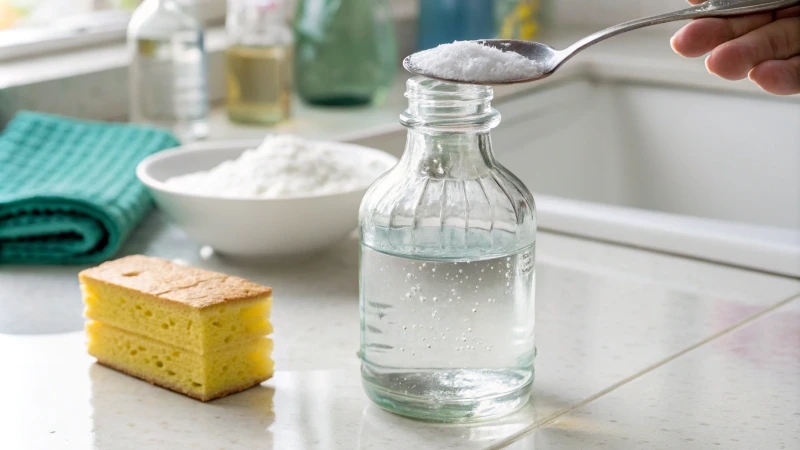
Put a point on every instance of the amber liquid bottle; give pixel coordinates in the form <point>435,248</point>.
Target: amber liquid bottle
<point>258,62</point>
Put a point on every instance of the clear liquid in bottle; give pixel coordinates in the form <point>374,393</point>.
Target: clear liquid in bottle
<point>168,70</point>
<point>453,336</point>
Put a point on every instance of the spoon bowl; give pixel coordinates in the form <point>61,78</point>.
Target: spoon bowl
<point>547,58</point>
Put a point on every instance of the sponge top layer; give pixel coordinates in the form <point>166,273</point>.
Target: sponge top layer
<point>190,286</point>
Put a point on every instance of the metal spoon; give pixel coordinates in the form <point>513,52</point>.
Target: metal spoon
<point>550,59</point>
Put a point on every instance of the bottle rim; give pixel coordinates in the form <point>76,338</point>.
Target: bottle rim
<point>439,106</point>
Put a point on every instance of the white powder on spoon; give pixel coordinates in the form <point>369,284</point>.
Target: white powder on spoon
<point>282,166</point>
<point>470,61</point>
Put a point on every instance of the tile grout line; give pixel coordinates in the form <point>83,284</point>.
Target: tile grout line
<point>552,417</point>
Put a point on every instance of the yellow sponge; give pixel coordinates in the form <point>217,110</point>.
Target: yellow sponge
<point>197,332</point>
<point>204,377</point>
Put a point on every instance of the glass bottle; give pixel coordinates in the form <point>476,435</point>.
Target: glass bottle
<point>168,85</point>
<point>446,271</point>
<point>345,51</point>
<point>258,62</point>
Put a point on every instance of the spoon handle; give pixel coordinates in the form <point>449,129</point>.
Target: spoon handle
<point>710,8</point>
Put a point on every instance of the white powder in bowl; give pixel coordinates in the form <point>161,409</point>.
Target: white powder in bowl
<point>283,166</point>
<point>470,61</point>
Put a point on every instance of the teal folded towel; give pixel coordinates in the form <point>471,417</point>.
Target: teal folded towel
<point>68,188</point>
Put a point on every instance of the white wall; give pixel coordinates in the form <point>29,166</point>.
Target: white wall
<point>607,12</point>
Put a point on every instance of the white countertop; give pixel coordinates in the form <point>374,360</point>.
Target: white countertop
<point>631,343</point>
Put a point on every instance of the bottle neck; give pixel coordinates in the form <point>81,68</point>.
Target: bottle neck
<point>449,128</point>
<point>437,107</point>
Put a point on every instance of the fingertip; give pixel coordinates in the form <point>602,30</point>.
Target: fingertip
<point>728,62</point>
<point>778,77</point>
<point>698,37</point>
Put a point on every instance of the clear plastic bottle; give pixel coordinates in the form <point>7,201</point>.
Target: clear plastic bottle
<point>447,266</point>
<point>168,69</point>
<point>258,61</point>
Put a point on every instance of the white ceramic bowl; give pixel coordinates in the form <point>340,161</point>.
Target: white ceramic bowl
<point>253,227</point>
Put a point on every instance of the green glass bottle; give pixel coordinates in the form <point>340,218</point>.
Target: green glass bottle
<point>345,51</point>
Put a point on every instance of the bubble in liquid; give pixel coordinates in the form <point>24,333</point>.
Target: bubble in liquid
<point>434,299</point>
<point>419,268</point>
<point>402,349</point>
<point>488,347</point>
<point>458,297</point>
<point>480,279</point>
<point>423,339</point>
<point>408,294</point>
<point>474,310</point>
<point>466,277</point>
<point>413,326</point>
<point>450,300</point>
<point>433,314</point>
<point>405,327</point>
<point>481,270</point>
<point>409,275</point>
<point>508,259</point>
<point>463,338</point>
<point>429,345</point>
<point>491,267</point>
<point>460,270</point>
<point>446,329</point>
<point>422,299</point>
<point>469,329</point>
<point>412,310</point>
<point>477,286</point>
<point>424,264</point>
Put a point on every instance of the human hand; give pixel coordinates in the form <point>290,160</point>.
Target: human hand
<point>764,47</point>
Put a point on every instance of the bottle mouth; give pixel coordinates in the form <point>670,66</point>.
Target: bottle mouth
<point>448,107</point>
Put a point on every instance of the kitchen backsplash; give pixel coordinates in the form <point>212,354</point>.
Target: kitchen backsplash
<point>103,95</point>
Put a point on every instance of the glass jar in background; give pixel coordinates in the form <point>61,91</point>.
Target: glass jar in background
<point>258,61</point>
<point>447,266</point>
<point>445,21</point>
<point>345,51</point>
<point>168,86</point>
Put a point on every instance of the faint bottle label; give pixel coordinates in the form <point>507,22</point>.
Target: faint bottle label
<point>526,263</point>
